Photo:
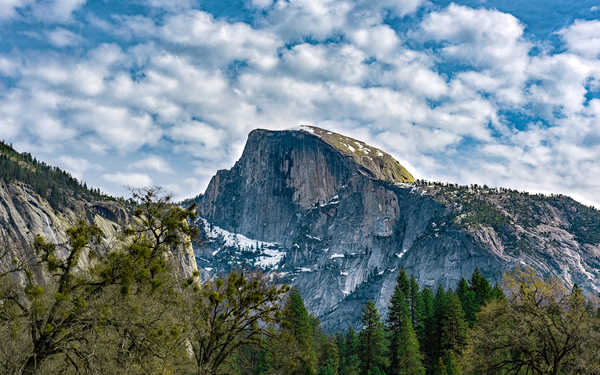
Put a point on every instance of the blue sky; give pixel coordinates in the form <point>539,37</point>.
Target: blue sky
<point>504,93</point>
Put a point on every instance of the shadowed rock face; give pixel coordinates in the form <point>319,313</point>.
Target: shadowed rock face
<point>303,207</point>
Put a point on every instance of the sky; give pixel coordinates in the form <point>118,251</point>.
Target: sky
<point>163,92</point>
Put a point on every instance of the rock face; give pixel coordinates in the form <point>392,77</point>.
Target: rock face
<point>25,214</point>
<point>337,219</point>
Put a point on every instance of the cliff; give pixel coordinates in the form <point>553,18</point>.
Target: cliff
<point>337,219</point>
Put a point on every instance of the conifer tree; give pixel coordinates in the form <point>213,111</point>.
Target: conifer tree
<point>329,359</point>
<point>468,300</point>
<point>415,304</point>
<point>403,282</point>
<point>451,363</point>
<point>433,341</point>
<point>372,342</point>
<point>481,287</point>
<point>295,348</point>
<point>427,317</point>
<point>405,357</point>
<point>453,332</point>
<point>351,360</point>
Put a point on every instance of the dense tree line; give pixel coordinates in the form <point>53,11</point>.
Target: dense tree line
<point>52,183</point>
<point>128,311</point>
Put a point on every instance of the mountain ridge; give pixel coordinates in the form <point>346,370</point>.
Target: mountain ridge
<point>335,231</point>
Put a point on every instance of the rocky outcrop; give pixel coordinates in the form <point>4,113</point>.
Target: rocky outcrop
<point>306,208</point>
<point>25,214</point>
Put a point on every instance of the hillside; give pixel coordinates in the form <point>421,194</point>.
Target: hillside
<point>52,183</point>
<point>36,198</point>
<point>302,206</point>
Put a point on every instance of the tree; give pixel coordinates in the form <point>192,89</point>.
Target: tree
<point>453,329</point>
<point>481,287</point>
<point>329,358</point>
<point>416,304</point>
<point>351,359</point>
<point>540,328</point>
<point>228,313</point>
<point>59,314</point>
<point>404,348</point>
<point>426,330</point>
<point>294,347</point>
<point>468,300</point>
<point>372,341</point>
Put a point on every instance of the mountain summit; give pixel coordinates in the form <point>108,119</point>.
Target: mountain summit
<point>378,163</point>
<point>337,219</point>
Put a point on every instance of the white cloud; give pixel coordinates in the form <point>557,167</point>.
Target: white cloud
<point>118,126</point>
<point>261,3</point>
<point>583,37</point>
<point>153,163</point>
<point>76,166</point>
<point>490,41</point>
<point>60,37</point>
<point>226,41</point>
<point>8,67</point>
<point>198,132</point>
<point>130,180</point>
<point>199,84</point>
<point>8,8</point>
<point>56,10</point>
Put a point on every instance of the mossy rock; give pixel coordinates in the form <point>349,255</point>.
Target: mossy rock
<point>379,163</point>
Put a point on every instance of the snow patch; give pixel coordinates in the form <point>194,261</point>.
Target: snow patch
<point>233,239</point>
<point>271,258</point>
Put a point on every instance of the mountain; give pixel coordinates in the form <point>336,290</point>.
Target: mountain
<point>337,218</point>
<point>36,198</point>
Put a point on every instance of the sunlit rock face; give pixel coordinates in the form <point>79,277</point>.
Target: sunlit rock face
<point>337,219</point>
<point>25,214</point>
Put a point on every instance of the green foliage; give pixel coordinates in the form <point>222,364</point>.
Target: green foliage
<point>350,360</point>
<point>540,328</point>
<point>372,341</point>
<point>481,212</point>
<point>294,345</point>
<point>405,357</point>
<point>228,313</point>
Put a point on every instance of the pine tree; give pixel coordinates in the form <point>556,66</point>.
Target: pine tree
<point>433,350</point>
<point>416,304</point>
<point>406,359</point>
<point>351,359</point>
<point>451,364</point>
<point>372,341</point>
<point>409,358</point>
<point>481,287</point>
<point>497,292</point>
<point>453,329</point>
<point>403,282</point>
<point>468,300</point>
<point>427,318</point>
<point>295,347</point>
<point>329,359</point>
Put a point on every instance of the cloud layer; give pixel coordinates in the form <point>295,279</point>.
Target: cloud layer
<point>168,95</point>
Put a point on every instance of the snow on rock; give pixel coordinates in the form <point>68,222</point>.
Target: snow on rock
<point>266,255</point>
<point>271,258</point>
<point>232,239</point>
